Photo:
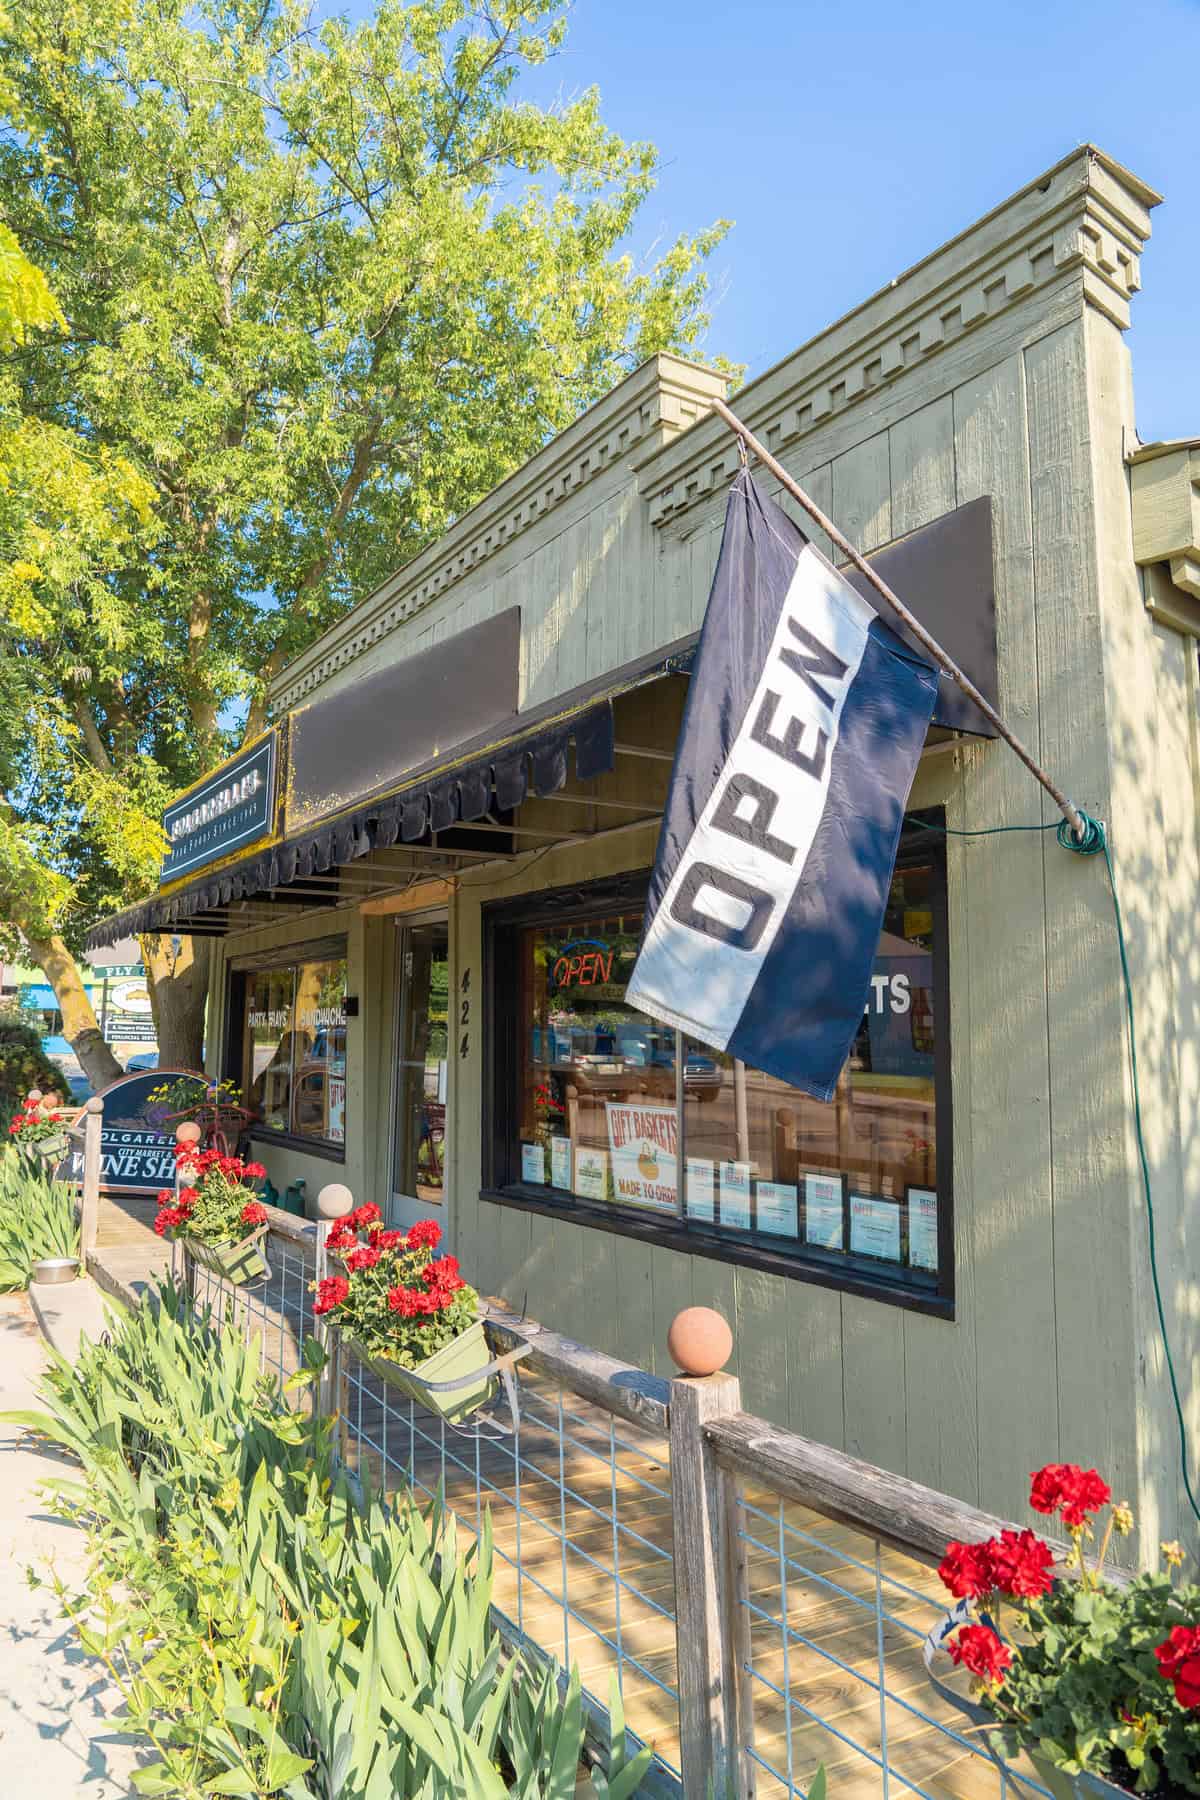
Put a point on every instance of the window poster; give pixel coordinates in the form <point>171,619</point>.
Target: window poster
<point>560,1163</point>
<point>642,1140</point>
<point>874,1228</point>
<point>591,1175</point>
<point>735,1195</point>
<point>823,1222</point>
<point>776,1208</point>
<point>701,1192</point>
<point>922,1229</point>
<point>336,1126</point>
<point>533,1164</point>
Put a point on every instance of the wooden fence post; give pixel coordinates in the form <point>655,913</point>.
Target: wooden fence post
<point>706,1561</point>
<point>89,1204</point>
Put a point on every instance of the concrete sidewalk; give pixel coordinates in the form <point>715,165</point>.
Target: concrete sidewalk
<point>56,1742</point>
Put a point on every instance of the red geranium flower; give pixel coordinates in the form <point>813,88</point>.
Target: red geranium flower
<point>330,1293</point>
<point>1021,1564</point>
<point>978,1648</point>
<point>385,1240</point>
<point>341,1237</point>
<point>411,1303</point>
<point>1179,1663</point>
<point>363,1215</point>
<point>255,1171</point>
<point>254,1213</point>
<point>444,1274</point>
<point>426,1234</point>
<point>362,1258</point>
<point>967,1571</point>
<point>1066,1488</point>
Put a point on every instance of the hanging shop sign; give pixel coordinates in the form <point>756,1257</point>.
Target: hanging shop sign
<point>229,809</point>
<point>137,1137</point>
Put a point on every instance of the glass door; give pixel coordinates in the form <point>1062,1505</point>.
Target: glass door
<point>419,1136</point>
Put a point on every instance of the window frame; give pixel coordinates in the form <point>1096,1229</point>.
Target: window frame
<point>922,842</point>
<point>290,957</point>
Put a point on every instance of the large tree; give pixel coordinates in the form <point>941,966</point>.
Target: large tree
<point>71,516</point>
<point>324,286</point>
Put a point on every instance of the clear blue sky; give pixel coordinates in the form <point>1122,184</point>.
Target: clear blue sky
<point>847,141</point>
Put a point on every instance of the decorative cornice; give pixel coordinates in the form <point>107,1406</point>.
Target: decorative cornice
<point>1165,494</point>
<point>647,410</point>
<point>1086,218</point>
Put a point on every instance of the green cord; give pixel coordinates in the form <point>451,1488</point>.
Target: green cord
<point>1095,843</point>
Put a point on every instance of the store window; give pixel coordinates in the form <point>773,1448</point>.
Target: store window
<point>624,1119</point>
<point>293,1050</point>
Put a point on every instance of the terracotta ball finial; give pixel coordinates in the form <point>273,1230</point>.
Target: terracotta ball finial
<point>334,1201</point>
<point>699,1341</point>
<point>188,1132</point>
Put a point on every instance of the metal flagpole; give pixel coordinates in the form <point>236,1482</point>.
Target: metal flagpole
<point>1069,811</point>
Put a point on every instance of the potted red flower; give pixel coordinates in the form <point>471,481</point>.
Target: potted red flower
<point>1096,1679</point>
<point>215,1213</point>
<point>407,1313</point>
<point>39,1129</point>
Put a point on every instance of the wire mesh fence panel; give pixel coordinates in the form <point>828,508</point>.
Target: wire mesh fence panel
<point>580,1507</point>
<point>275,1309</point>
<point>835,1675</point>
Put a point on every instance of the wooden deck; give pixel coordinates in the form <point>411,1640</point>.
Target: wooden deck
<point>592,1508</point>
<point>582,1529</point>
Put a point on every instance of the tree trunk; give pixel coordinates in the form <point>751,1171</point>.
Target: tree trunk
<point>79,1021</point>
<point>178,979</point>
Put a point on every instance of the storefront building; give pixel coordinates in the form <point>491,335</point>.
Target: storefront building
<point>426,884</point>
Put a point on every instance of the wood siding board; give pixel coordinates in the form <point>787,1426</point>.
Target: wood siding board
<point>1088,1165</point>
<point>997,924</point>
<point>763,1303</point>
<point>1136,715</point>
<point>636,632</point>
<point>921,449</point>
<point>873,1383</point>
<point>604,597</point>
<point>631,1264</point>
<point>862,495</point>
<point>1174,1019</point>
<point>816,1406</point>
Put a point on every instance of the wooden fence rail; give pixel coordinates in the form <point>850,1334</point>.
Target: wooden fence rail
<point>726,1592</point>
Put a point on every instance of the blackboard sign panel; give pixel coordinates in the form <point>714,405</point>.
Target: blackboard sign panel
<point>137,1143</point>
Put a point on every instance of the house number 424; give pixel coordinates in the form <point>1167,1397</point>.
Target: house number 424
<point>464,1013</point>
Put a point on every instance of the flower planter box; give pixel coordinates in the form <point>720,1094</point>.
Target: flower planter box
<point>47,1149</point>
<point>235,1263</point>
<point>466,1355</point>
<point>1063,1786</point>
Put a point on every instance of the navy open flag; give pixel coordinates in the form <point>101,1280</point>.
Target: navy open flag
<point>804,724</point>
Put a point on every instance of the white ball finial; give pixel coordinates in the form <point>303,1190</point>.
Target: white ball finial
<point>335,1201</point>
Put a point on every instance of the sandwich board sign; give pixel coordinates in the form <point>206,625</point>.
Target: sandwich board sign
<point>137,1142</point>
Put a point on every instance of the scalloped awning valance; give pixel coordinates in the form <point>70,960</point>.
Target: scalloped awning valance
<point>486,775</point>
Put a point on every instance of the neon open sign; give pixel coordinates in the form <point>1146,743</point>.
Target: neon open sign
<point>585,963</point>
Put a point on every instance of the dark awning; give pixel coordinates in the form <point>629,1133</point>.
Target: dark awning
<point>489,774</point>
<point>405,754</point>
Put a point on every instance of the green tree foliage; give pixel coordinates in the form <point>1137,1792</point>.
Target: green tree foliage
<point>23,1066</point>
<point>323,286</point>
